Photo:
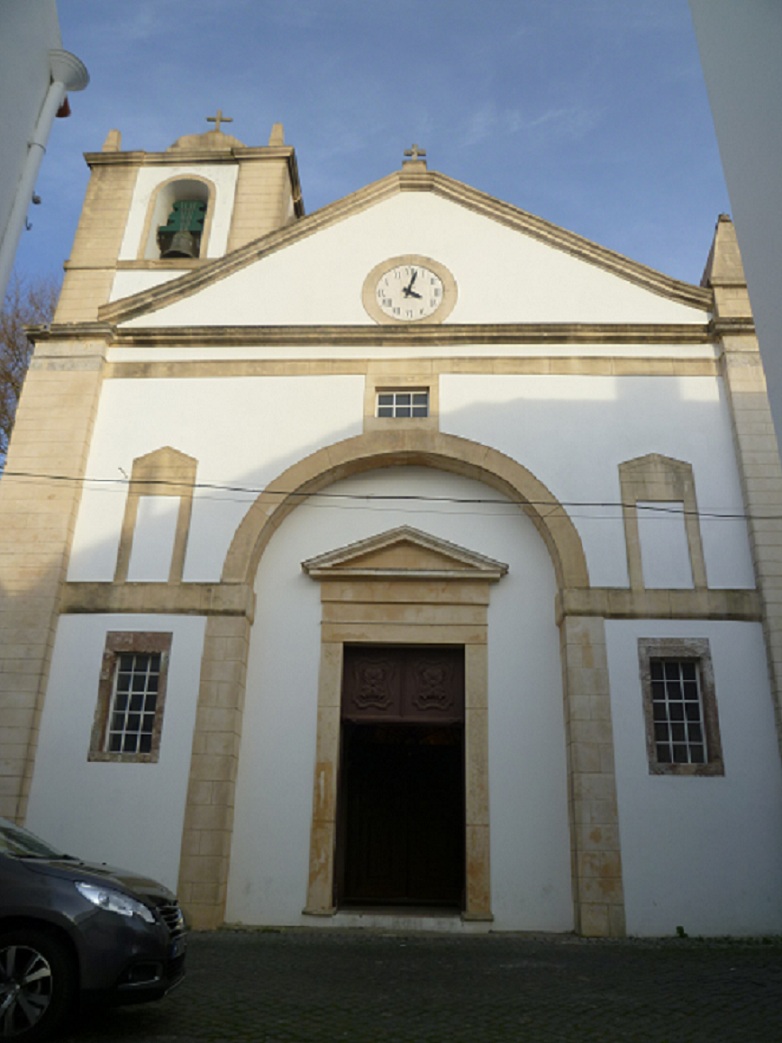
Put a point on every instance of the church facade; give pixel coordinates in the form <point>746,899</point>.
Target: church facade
<point>412,561</point>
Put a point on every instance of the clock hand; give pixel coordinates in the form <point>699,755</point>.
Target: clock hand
<point>408,290</point>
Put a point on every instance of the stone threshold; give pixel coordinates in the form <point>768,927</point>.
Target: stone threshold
<point>416,919</point>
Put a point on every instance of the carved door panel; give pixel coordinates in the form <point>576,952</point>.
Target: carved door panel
<point>415,685</point>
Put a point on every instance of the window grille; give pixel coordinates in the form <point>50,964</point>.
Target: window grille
<point>134,703</point>
<point>411,403</point>
<point>677,711</point>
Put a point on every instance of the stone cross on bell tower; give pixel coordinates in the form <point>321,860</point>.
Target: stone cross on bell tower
<point>219,118</point>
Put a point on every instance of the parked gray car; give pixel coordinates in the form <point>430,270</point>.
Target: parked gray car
<point>71,929</point>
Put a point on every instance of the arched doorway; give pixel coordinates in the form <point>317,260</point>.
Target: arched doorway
<point>591,787</point>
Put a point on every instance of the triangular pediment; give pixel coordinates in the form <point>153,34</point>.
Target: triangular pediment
<point>510,267</point>
<point>404,553</point>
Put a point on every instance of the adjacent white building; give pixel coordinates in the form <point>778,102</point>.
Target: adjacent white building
<point>739,47</point>
<point>410,561</point>
<point>35,76</point>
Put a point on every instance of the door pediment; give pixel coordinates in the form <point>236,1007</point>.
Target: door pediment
<point>404,553</point>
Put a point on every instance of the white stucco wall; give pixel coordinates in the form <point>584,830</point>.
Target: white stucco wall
<point>701,853</point>
<point>530,854</point>
<point>572,432</point>
<point>129,815</point>
<point>153,539</point>
<point>137,280</point>
<point>665,552</point>
<point>329,349</point>
<point>502,275</point>
<point>243,432</point>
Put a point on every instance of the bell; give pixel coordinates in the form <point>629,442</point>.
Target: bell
<point>183,244</point>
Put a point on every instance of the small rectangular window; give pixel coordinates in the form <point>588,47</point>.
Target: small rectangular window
<point>682,728</point>
<point>412,402</point>
<point>129,715</point>
<point>679,736</point>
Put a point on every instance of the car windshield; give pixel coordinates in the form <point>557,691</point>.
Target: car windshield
<point>20,843</point>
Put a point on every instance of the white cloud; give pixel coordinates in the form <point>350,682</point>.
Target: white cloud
<point>550,126</point>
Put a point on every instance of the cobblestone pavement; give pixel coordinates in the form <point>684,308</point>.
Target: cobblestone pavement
<point>322,986</point>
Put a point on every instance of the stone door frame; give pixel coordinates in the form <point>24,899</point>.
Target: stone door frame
<point>403,587</point>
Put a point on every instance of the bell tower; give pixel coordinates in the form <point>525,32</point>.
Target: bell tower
<point>149,216</point>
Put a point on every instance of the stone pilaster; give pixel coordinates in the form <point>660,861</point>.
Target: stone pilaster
<point>90,270</point>
<point>323,833</point>
<point>594,819</point>
<point>476,760</point>
<point>209,812</point>
<point>264,195</point>
<point>39,497</point>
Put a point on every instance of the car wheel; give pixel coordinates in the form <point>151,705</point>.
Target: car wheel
<point>37,984</point>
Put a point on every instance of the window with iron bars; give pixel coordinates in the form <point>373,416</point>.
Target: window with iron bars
<point>131,695</point>
<point>679,734</point>
<point>682,727</point>
<point>134,707</point>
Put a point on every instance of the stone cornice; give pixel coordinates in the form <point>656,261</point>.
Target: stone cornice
<point>178,157</point>
<point>728,326</point>
<point>448,334</point>
<point>168,293</point>
<point>417,336</point>
<point>188,599</point>
<point>623,603</point>
<point>237,599</point>
<point>68,332</point>
<point>537,365</point>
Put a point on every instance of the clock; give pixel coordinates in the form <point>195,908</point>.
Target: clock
<point>408,289</point>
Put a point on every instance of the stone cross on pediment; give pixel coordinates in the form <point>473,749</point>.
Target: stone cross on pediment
<point>415,153</point>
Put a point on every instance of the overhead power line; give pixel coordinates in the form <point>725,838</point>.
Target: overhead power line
<point>378,499</point>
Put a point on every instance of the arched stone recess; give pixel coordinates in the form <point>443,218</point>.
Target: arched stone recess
<point>181,188</point>
<point>660,479</point>
<point>412,449</point>
<point>165,472</point>
<point>206,844</point>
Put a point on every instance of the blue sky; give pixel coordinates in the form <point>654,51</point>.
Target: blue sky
<point>590,113</point>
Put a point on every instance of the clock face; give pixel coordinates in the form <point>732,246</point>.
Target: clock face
<point>408,292</point>
<point>411,288</point>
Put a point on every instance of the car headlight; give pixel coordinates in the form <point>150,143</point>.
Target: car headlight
<point>114,901</point>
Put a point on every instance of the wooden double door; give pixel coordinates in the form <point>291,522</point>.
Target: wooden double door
<point>401,833</point>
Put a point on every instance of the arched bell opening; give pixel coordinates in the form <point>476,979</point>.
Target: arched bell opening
<point>178,222</point>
